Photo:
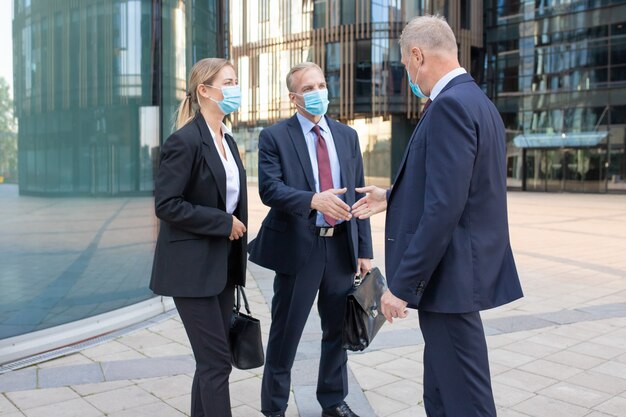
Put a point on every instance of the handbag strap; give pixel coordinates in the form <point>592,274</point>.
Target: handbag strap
<point>242,293</point>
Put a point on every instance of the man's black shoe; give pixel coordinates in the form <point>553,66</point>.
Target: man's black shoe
<point>340,410</point>
<point>276,414</point>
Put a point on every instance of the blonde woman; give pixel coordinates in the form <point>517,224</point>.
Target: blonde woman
<point>200,198</point>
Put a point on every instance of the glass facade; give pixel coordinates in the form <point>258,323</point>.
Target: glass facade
<point>558,69</point>
<point>94,88</point>
<point>356,43</point>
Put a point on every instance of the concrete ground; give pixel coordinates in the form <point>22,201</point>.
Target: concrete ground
<point>558,352</point>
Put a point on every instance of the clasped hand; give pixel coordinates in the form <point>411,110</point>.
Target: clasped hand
<point>330,205</point>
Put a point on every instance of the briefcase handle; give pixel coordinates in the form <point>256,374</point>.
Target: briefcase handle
<point>242,293</point>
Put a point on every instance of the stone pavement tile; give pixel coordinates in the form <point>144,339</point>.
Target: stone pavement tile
<point>143,339</point>
<point>508,358</point>
<point>120,399</point>
<point>70,375</point>
<point>167,325</point>
<point>413,352</point>
<point>247,391</point>
<point>6,406</point>
<point>37,398</point>
<point>168,349</point>
<point>501,340</point>
<point>73,359</point>
<point>507,396</point>
<point>407,392</point>
<point>245,411</point>
<point>127,355</point>
<point>596,350</point>
<point>167,387</point>
<point>507,412</point>
<point>575,394</point>
<point>16,414</point>
<point>415,411</point>
<point>159,409</point>
<point>600,382</point>
<point>496,368</point>
<point>535,350</point>
<point>372,358</point>
<point>554,340</point>
<point>183,403</point>
<point>371,378</point>
<point>576,331</point>
<point>146,368</point>
<point>550,369</point>
<point>73,408</point>
<point>612,368</point>
<point>384,406</point>
<point>403,368</point>
<point>111,347</point>
<point>24,379</point>
<point>573,359</point>
<point>524,380</point>
<point>615,339</point>
<point>88,389</point>
<point>541,406</point>
<point>616,406</point>
<point>598,414</point>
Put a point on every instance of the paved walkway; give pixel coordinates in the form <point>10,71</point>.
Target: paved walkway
<point>560,351</point>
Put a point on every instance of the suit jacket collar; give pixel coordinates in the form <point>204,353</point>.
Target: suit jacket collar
<point>460,79</point>
<point>211,156</point>
<point>299,143</point>
<point>341,146</point>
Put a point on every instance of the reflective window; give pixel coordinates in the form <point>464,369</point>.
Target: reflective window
<point>84,108</point>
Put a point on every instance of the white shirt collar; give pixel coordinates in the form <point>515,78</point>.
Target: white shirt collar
<point>225,130</point>
<point>441,84</point>
<point>307,125</point>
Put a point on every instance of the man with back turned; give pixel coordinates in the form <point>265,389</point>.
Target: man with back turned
<point>447,242</point>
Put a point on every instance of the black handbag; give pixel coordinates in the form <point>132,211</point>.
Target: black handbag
<point>363,317</point>
<point>246,346</point>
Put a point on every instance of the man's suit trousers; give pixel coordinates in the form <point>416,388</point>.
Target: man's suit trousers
<point>456,367</point>
<point>329,271</point>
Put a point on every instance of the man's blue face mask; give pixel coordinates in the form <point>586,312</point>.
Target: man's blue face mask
<point>232,98</point>
<point>315,102</point>
<point>414,87</point>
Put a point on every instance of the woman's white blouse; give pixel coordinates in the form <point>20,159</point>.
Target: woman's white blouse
<point>232,171</point>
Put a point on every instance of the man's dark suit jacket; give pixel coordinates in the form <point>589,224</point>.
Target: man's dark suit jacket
<point>287,185</point>
<point>447,247</point>
<point>191,256</point>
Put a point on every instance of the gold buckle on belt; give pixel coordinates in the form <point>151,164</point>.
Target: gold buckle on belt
<point>327,231</point>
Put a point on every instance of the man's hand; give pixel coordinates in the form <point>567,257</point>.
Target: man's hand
<point>364,266</point>
<point>329,204</point>
<point>375,201</point>
<point>393,307</point>
<point>238,229</point>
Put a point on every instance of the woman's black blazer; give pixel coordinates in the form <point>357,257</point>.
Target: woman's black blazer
<point>191,256</point>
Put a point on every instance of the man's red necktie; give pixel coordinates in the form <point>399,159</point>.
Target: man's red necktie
<point>323,166</point>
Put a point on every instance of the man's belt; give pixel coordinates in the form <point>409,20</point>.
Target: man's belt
<point>330,231</point>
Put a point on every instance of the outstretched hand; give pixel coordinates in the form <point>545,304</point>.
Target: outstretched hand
<point>375,201</point>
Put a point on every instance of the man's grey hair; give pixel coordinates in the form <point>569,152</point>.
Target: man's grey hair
<point>430,33</point>
<point>300,67</point>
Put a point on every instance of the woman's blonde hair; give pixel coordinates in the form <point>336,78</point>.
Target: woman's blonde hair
<point>203,72</point>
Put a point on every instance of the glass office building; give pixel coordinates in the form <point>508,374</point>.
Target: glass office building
<point>557,72</point>
<point>356,43</point>
<point>95,85</point>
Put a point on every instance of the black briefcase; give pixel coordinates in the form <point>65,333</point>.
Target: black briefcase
<point>246,346</point>
<point>363,317</point>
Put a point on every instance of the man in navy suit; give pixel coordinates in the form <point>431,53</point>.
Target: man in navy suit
<point>447,241</point>
<point>309,167</point>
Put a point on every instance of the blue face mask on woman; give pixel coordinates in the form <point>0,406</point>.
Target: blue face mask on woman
<point>315,102</point>
<point>232,98</point>
<point>414,87</point>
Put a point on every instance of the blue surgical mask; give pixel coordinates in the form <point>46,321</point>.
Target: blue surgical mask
<point>232,98</point>
<point>315,102</point>
<point>414,87</point>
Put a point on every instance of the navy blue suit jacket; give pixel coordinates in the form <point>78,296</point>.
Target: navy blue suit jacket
<point>287,185</point>
<point>447,238</point>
